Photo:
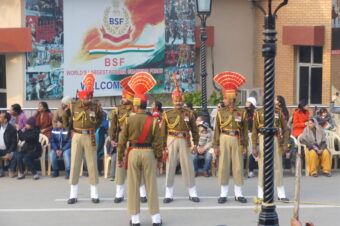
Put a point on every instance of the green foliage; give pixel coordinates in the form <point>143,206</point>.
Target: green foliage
<point>195,98</point>
<point>215,98</point>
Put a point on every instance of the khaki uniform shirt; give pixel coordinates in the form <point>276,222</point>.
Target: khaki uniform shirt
<point>279,123</point>
<point>84,117</point>
<point>118,118</point>
<point>180,121</point>
<point>132,130</point>
<point>231,119</point>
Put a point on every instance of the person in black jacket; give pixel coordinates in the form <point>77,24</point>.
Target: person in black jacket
<point>31,149</point>
<point>8,142</point>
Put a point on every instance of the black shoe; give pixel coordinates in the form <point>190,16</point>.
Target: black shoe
<point>143,200</point>
<point>167,200</point>
<point>194,199</point>
<point>55,173</point>
<point>133,224</point>
<point>315,175</point>
<point>327,174</point>
<point>118,200</point>
<point>241,199</point>
<point>222,200</point>
<point>157,224</point>
<point>95,201</point>
<point>283,199</point>
<point>72,201</point>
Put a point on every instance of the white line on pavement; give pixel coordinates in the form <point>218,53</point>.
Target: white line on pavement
<point>175,198</point>
<point>162,208</point>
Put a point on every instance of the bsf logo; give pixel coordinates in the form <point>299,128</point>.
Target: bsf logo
<point>117,26</point>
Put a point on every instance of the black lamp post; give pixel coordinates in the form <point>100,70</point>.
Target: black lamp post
<point>203,11</point>
<point>268,215</point>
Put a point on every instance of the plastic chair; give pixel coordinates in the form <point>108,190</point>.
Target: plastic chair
<point>332,137</point>
<point>107,159</point>
<point>46,149</point>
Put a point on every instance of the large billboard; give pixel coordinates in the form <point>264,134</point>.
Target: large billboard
<point>112,39</point>
<point>336,27</point>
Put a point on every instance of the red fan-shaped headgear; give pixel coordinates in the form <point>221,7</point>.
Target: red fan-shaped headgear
<point>127,91</point>
<point>89,84</point>
<point>177,95</point>
<point>140,84</point>
<point>230,82</point>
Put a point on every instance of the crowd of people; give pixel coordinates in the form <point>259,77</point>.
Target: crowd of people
<point>232,137</point>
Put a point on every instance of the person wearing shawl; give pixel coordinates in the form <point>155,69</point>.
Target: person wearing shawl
<point>314,138</point>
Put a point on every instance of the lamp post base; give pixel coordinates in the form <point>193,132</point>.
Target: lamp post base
<point>268,216</point>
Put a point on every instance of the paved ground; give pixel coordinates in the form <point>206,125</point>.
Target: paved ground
<point>43,202</point>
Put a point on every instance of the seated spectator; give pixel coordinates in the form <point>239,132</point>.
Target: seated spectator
<point>44,119</point>
<point>324,119</point>
<point>199,120</point>
<point>157,111</point>
<point>111,151</point>
<point>314,138</point>
<point>61,148</point>
<point>204,148</point>
<point>65,103</point>
<point>18,117</point>
<point>300,118</point>
<point>190,107</point>
<point>8,143</point>
<point>31,150</point>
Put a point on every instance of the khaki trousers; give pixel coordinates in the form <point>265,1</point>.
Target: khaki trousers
<point>82,143</point>
<point>142,164</point>
<point>313,161</point>
<point>230,153</point>
<point>179,150</point>
<point>120,176</point>
<point>277,162</point>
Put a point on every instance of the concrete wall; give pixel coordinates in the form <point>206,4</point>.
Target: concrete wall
<point>296,13</point>
<point>234,40</point>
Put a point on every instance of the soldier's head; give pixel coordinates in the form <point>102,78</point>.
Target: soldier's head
<point>177,95</point>
<point>127,97</point>
<point>86,99</point>
<point>228,101</point>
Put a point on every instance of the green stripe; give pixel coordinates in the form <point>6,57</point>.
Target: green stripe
<point>121,52</point>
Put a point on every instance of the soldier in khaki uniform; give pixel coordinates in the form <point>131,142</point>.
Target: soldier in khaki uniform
<point>145,151</point>
<point>231,137</point>
<point>120,114</point>
<point>280,144</point>
<point>176,127</point>
<point>85,117</point>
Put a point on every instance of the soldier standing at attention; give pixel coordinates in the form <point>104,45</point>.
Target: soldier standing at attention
<point>85,117</point>
<point>231,137</point>
<point>144,152</point>
<point>176,127</point>
<point>280,144</point>
<point>120,114</point>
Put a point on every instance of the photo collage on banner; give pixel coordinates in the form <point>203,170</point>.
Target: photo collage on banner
<point>336,27</point>
<point>44,67</point>
<point>118,40</point>
<point>180,44</point>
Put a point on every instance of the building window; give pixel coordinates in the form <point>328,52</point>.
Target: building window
<point>3,95</point>
<point>310,74</point>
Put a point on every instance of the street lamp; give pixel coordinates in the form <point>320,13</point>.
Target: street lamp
<point>268,215</point>
<point>203,11</point>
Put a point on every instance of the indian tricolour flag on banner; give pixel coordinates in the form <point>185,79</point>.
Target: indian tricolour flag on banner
<point>113,39</point>
<point>128,49</point>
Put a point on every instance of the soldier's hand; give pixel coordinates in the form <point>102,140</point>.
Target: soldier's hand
<point>159,165</point>
<point>285,148</point>
<point>217,151</point>
<point>114,144</point>
<point>120,164</point>
<point>166,150</point>
<point>255,152</point>
<point>334,97</point>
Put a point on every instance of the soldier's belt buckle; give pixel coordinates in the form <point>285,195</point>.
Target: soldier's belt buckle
<point>232,133</point>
